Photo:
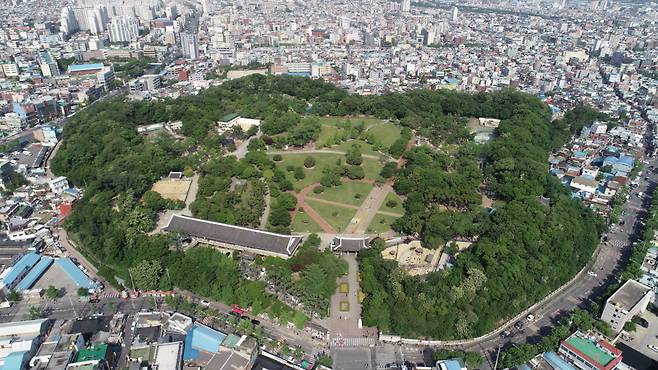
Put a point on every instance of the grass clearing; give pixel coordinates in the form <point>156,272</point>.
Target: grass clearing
<point>345,193</point>
<point>337,217</point>
<point>327,132</point>
<point>397,209</point>
<point>304,224</point>
<point>371,167</point>
<point>313,175</point>
<point>337,121</point>
<point>347,145</point>
<point>386,132</point>
<point>380,224</point>
<point>344,306</point>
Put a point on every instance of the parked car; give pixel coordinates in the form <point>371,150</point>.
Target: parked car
<point>504,334</point>
<point>592,273</point>
<point>519,325</point>
<point>643,322</point>
<point>205,303</point>
<point>530,317</point>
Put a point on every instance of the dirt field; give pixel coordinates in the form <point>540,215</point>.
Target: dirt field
<point>172,189</point>
<point>413,258</point>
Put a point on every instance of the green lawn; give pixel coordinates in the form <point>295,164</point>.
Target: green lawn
<point>386,133</point>
<point>335,121</point>
<point>337,217</point>
<point>327,132</point>
<point>371,167</point>
<point>304,224</point>
<point>314,174</point>
<point>397,209</point>
<point>380,223</point>
<point>345,193</point>
<point>347,145</point>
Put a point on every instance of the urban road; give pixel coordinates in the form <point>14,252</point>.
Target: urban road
<point>606,264</point>
<point>605,267</point>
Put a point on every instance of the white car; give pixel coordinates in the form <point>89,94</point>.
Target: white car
<point>205,303</point>
<point>592,273</point>
<point>530,317</point>
<point>652,347</point>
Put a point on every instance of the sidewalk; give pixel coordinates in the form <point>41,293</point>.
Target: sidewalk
<point>292,336</point>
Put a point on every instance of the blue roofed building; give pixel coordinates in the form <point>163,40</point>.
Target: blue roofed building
<point>19,270</point>
<point>201,338</point>
<point>16,361</point>
<point>453,364</point>
<point>35,273</point>
<point>80,279</point>
<point>557,362</point>
<point>580,154</point>
<point>625,163</point>
<point>610,161</point>
<point>83,69</point>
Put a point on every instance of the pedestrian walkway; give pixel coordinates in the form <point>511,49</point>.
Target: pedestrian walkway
<point>105,295</point>
<point>353,341</point>
<point>617,243</point>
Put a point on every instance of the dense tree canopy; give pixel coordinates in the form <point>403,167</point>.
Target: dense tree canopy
<point>534,240</point>
<point>531,240</point>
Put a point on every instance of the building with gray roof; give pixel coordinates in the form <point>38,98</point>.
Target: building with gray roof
<point>235,237</point>
<point>629,300</point>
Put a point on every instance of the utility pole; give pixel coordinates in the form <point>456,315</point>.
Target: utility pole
<point>497,355</point>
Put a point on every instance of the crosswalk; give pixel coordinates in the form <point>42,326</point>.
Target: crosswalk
<point>110,295</point>
<point>353,341</point>
<point>616,243</point>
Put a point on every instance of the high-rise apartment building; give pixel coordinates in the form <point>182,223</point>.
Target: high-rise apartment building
<point>189,45</point>
<point>406,6</point>
<point>67,20</point>
<point>124,29</point>
<point>48,65</point>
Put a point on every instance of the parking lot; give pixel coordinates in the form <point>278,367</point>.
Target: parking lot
<point>56,277</point>
<point>642,337</point>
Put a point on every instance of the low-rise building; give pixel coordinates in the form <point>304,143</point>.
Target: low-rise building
<point>58,185</point>
<point>629,300</point>
<point>588,353</point>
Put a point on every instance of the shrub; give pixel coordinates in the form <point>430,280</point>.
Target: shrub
<point>309,162</point>
<point>389,170</point>
<point>277,158</point>
<point>318,189</point>
<point>299,173</point>
<point>355,172</point>
<point>391,203</point>
<point>290,168</point>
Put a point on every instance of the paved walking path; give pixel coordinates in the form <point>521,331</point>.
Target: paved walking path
<point>368,210</point>
<point>345,323</point>
<point>313,214</point>
<point>364,214</point>
<point>351,206</point>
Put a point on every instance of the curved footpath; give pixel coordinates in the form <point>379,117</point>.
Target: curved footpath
<point>606,263</point>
